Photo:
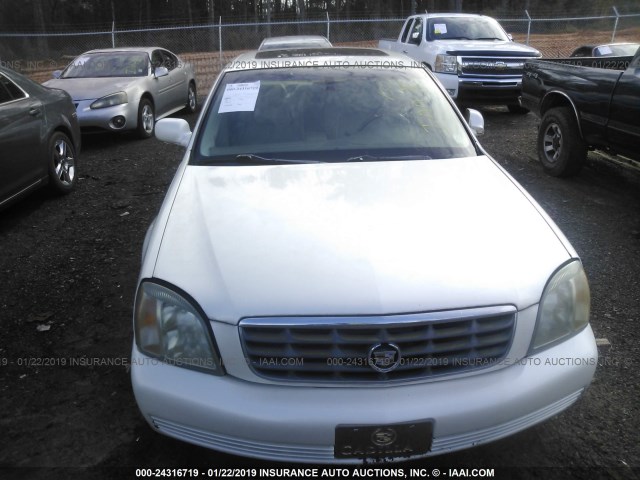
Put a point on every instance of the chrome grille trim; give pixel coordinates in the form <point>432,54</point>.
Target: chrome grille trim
<point>338,349</point>
<point>492,66</point>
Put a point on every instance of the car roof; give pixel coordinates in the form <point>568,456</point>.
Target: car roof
<point>295,40</point>
<point>459,15</point>
<point>616,43</point>
<point>296,57</point>
<point>125,49</point>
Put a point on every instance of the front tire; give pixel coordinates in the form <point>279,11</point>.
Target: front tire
<point>61,164</point>
<point>146,119</point>
<point>561,150</point>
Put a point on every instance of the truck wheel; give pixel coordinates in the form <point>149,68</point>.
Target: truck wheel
<point>560,147</point>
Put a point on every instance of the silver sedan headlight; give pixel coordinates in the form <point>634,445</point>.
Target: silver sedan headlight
<point>446,64</point>
<point>564,307</point>
<point>110,100</point>
<point>170,328</point>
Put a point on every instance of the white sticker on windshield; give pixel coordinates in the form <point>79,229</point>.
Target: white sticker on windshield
<point>440,28</point>
<point>239,97</point>
<point>604,50</point>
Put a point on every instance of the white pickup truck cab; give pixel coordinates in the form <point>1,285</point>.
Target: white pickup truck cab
<point>472,56</point>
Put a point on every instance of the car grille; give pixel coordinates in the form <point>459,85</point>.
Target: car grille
<point>380,348</point>
<point>494,67</point>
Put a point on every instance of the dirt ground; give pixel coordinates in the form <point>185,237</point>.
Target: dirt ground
<point>68,272</point>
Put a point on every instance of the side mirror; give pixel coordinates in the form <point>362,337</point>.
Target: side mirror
<point>474,119</point>
<point>173,130</point>
<point>56,73</point>
<point>161,72</point>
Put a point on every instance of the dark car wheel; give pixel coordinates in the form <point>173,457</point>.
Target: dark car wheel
<point>192,98</point>
<point>61,163</point>
<point>146,119</point>
<point>560,147</point>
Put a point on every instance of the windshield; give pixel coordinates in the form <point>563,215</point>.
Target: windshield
<point>465,28</point>
<point>329,114</point>
<point>109,64</point>
<point>616,50</point>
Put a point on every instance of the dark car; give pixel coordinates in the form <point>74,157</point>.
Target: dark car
<point>607,50</point>
<point>39,138</point>
<point>583,108</point>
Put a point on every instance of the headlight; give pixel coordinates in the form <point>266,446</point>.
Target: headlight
<point>564,307</point>
<point>169,327</point>
<point>110,100</point>
<point>446,64</point>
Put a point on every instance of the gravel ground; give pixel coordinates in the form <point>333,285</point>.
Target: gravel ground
<point>68,272</point>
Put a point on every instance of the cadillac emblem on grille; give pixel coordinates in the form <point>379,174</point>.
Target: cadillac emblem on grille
<point>384,357</point>
<point>384,436</point>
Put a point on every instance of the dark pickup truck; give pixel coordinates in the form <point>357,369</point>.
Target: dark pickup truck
<point>584,104</point>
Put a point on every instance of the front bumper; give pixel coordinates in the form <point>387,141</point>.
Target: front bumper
<point>103,118</point>
<point>297,423</point>
<point>482,90</point>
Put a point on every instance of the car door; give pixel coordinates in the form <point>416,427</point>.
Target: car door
<point>177,94</point>
<point>623,130</point>
<point>171,89</point>
<point>161,85</point>
<point>414,39</point>
<point>21,120</point>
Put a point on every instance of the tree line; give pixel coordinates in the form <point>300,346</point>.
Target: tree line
<point>60,15</point>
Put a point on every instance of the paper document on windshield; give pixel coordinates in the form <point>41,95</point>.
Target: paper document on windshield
<point>440,28</point>
<point>239,97</point>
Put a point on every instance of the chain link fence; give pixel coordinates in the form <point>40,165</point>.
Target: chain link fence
<point>209,47</point>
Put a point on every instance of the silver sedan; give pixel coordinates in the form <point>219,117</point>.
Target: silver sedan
<point>127,88</point>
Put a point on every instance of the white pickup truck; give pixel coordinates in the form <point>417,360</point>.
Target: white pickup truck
<point>472,56</point>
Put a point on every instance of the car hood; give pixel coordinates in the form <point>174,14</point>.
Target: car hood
<point>92,88</point>
<point>489,48</point>
<point>356,238</point>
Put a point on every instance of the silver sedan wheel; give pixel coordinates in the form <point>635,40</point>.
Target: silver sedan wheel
<point>147,118</point>
<point>552,142</point>
<point>64,163</point>
<point>192,99</point>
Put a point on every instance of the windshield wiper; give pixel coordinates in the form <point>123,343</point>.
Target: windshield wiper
<point>373,158</point>
<point>489,38</point>
<point>250,157</point>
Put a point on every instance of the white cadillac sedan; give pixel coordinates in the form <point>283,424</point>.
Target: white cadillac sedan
<point>339,272</point>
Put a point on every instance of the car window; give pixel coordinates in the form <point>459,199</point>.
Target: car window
<point>405,32</point>
<point>623,50</point>
<point>5,96</point>
<point>108,64</point>
<point>9,91</point>
<point>465,28</point>
<point>416,32</point>
<point>157,59</point>
<point>583,52</point>
<point>169,60</point>
<point>330,114</point>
